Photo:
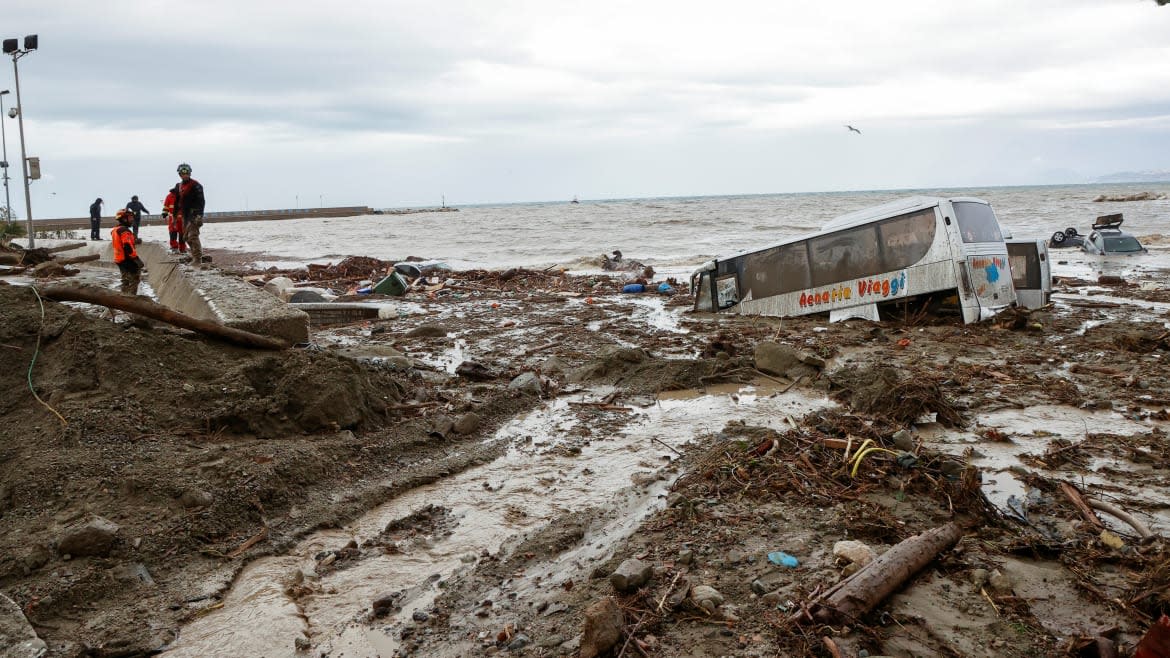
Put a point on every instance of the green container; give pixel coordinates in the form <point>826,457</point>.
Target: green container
<point>393,285</point>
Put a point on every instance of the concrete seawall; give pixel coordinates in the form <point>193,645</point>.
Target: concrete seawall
<point>82,223</point>
<point>206,295</point>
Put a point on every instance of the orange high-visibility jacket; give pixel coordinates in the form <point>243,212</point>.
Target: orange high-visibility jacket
<point>123,244</point>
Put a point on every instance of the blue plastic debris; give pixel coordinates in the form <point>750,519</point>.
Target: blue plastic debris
<point>634,287</point>
<point>783,559</point>
<point>665,288</point>
<point>365,291</point>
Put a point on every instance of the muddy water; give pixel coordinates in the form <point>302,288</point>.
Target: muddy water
<point>624,473</point>
<point>1031,431</point>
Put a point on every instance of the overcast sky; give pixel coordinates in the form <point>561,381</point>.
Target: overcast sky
<point>389,103</point>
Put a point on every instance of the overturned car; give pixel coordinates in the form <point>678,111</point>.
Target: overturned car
<point>1105,238</point>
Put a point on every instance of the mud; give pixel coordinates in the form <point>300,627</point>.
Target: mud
<point>211,458</point>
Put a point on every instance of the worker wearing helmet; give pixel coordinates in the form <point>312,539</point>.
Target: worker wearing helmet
<point>125,255</point>
<point>174,221</point>
<point>190,204</point>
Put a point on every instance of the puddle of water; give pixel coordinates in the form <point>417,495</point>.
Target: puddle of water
<point>449,359</point>
<point>534,483</point>
<point>1031,431</point>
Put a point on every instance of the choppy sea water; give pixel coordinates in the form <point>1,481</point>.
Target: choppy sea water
<point>672,234</point>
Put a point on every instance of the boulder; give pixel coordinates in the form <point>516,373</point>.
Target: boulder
<point>630,575</point>
<point>602,628</point>
<point>17,637</point>
<point>93,537</point>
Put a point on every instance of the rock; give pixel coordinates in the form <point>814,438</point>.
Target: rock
<point>979,577</point>
<point>527,383</point>
<point>519,642</point>
<point>904,440</point>
<point>387,603</point>
<point>476,372</point>
<point>706,597</point>
<point>630,575</point>
<point>602,628</point>
<point>427,331</point>
<point>759,588</point>
<point>307,297</point>
<point>809,359</point>
<point>999,582</point>
<point>441,426</point>
<point>399,362</point>
<point>194,498</point>
<point>468,423</point>
<point>279,287</point>
<point>554,365</point>
<point>774,358</point>
<point>94,537</point>
<point>686,556</point>
<point>419,616</point>
<point>854,551</point>
<point>17,637</point>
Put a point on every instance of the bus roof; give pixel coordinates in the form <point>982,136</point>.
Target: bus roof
<point>862,216</point>
<point>898,207</point>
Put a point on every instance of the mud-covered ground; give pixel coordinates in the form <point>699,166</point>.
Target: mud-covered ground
<point>152,461</point>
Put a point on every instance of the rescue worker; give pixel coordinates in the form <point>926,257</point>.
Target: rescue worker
<point>189,203</point>
<point>95,219</point>
<point>174,222</point>
<point>135,206</point>
<point>125,255</point>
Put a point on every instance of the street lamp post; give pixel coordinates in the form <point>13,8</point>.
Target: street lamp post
<point>10,48</point>
<point>4,162</point>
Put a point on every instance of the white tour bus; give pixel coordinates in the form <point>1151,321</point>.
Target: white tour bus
<point>950,250</point>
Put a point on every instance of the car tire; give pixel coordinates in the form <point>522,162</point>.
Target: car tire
<point>1070,232</point>
<point>1059,237</point>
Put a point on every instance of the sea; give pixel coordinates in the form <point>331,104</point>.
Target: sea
<point>674,235</point>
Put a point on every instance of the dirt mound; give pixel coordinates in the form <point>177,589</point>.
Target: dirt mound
<point>639,373</point>
<point>885,393</point>
<point>113,378</point>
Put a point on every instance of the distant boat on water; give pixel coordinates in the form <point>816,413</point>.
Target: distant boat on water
<point>574,199</point>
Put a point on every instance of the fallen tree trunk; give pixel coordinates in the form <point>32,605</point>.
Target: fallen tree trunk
<point>148,308</point>
<point>1079,502</point>
<point>864,590</point>
<point>77,259</point>
<point>65,247</point>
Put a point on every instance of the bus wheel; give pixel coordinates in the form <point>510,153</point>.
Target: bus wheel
<point>1058,237</point>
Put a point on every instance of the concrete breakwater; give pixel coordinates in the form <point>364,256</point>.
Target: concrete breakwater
<point>82,223</point>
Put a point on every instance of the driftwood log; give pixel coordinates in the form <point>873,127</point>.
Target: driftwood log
<point>864,590</point>
<point>148,308</point>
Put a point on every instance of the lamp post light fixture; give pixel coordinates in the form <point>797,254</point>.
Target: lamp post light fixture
<point>4,161</point>
<point>11,48</point>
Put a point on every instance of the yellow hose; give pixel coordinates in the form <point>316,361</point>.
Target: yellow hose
<point>861,455</point>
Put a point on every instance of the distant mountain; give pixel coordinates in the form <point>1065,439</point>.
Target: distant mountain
<point>1161,176</point>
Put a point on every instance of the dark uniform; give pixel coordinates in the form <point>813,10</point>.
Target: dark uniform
<point>190,205</point>
<point>95,219</point>
<point>135,206</point>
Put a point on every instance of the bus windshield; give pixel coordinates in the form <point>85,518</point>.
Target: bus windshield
<point>977,222</point>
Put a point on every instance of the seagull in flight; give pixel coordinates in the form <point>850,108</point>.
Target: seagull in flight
<point>853,129</point>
